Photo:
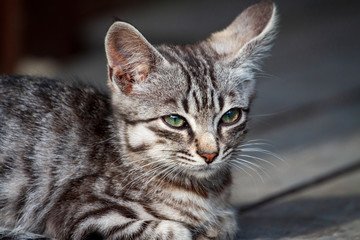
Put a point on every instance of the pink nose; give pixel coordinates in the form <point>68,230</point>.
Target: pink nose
<point>209,157</point>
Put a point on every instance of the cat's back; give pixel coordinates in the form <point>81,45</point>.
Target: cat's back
<point>26,97</point>
<point>60,114</point>
<point>40,101</point>
<point>51,132</point>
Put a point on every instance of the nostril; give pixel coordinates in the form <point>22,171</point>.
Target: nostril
<point>208,157</point>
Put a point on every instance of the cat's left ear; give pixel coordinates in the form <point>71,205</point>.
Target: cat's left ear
<point>248,36</point>
<point>130,57</point>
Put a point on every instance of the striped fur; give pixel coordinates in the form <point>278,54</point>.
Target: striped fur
<point>78,164</point>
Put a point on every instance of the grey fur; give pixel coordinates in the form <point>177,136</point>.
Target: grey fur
<point>76,163</point>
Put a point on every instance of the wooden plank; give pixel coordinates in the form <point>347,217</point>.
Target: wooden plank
<point>328,211</point>
<point>301,165</point>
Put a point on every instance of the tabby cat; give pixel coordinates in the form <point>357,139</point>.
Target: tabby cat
<point>151,161</point>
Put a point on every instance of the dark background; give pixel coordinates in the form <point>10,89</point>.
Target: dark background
<point>316,54</point>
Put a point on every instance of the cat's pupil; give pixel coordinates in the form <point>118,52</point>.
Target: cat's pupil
<point>231,116</point>
<point>175,121</point>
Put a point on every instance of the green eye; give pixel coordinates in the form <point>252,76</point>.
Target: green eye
<point>175,121</point>
<point>231,116</point>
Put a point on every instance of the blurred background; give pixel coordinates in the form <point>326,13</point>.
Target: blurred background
<point>307,109</point>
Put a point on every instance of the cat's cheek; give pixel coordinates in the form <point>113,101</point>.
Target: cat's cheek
<point>233,137</point>
<point>140,137</point>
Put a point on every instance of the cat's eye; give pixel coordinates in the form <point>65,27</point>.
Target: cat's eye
<point>175,121</point>
<point>231,117</point>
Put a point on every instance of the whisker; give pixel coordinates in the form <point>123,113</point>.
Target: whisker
<point>168,173</point>
<point>143,175</point>
<point>240,168</point>
<point>227,156</point>
<point>138,168</point>
<point>251,168</point>
<point>261,168</point>
<point>255,144</point>
<point>160,172</point>
<point>258,140</point>
<point>257,158</point>
<point>264,75</point>
<point>264,151</point>
<point>264,115</point>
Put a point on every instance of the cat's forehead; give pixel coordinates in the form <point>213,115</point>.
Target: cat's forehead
<point>195,74</point>
<point>192,82</point>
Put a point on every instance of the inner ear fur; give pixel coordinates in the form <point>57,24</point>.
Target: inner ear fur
<point>130,56</point>
<point>256,22</point>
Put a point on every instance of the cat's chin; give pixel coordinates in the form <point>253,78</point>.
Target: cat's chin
<point>205,170</point>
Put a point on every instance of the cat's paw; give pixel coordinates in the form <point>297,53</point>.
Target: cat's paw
<point>172,230</point>
<point>224,229</point>
<point>16,235</point>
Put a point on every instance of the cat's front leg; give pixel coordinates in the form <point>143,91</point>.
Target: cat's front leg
<point>18,235</point>
<point>135,229</point>
<point>223,229</point>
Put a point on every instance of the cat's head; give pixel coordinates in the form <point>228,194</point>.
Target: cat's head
<point>185,107</point>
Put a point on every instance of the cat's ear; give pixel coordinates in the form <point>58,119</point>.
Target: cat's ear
<point>130,57</point>
<point>248,35</point>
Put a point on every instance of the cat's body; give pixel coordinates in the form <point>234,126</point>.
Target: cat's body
<point>151,161</point>
<point>76,160</point>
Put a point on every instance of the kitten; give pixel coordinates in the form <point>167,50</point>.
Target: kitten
<point>151,161</point>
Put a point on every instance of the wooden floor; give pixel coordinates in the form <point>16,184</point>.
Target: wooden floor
<point>307,112</point>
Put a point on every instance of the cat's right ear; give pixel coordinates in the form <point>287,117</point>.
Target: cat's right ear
<point>248,36</point>
<point>129,55</point>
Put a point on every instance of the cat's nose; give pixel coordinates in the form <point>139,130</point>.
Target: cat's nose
<point>208,157</point>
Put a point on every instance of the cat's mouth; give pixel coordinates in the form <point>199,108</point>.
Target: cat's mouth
<point>208,168</point>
